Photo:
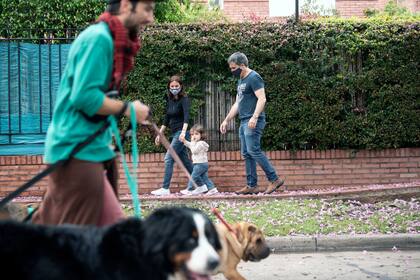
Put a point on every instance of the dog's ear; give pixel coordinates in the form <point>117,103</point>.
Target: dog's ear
<point>161,225</point>
<point>252,229</point>
<point>238,232</point>
<point>123,239</point>
<point>156,234</point>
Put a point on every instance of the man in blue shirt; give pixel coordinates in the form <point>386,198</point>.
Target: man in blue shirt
<point>250,102</point>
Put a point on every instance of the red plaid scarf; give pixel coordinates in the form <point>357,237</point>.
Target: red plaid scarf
<point>125,49</point>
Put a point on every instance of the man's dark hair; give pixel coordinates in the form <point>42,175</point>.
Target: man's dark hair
<point>238,58</point>
<point>114,6</point>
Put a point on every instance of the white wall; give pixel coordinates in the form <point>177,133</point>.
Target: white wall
<point>281,8</point>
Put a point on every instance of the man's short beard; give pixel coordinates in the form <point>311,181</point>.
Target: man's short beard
<point>133,29</point>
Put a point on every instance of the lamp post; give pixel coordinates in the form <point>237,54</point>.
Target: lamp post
<point>297,11</point>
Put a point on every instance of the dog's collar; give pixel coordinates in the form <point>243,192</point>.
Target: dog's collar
<point>245,252</point>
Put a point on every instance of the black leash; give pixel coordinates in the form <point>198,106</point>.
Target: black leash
<point>80,146</point>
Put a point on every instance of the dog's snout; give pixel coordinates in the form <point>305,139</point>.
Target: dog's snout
<point>213,263</point>
<point>265,253</point>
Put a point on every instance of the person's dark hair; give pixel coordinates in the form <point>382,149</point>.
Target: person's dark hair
<point>200,129</point>
<point>114,6</point>
<point>175,78</point>
<point>238,58</point>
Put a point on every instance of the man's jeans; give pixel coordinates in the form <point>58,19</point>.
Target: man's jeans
<point>200,175</point>
<point>251,151</point>
<point>182,152</point>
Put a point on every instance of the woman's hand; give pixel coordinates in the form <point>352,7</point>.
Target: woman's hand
<point>182,137</point>
<point>157,140</point>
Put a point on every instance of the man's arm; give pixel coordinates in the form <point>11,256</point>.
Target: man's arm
<point>257,86</point>
<point>260,103</point>
<point>232,113</point>
<point>87,95</point>
<point>112,106</point>
<point>260,94</point>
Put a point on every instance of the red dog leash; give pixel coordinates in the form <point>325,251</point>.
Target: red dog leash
<point>172,152</point>
<point>217,213</point>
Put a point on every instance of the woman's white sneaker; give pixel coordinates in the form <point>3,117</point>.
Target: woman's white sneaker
<point>200,190</point>
<point>161,192</point>
<point>212,191</point>
<point>186,192</point>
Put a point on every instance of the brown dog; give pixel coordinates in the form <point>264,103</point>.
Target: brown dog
<point>248,245</point>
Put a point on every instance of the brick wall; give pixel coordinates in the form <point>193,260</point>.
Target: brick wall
<point>349,8</point>
<point>412,5</point>
<point>240,10</point>
<point>303,169</point>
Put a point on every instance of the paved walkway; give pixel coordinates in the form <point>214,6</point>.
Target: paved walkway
<point>357,192</point>
<point>389,265</point>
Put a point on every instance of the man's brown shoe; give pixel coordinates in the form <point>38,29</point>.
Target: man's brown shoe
<point>276,185</point>
<point>249,190</point>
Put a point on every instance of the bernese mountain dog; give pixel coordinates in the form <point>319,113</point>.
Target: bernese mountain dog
<point>172,243</point>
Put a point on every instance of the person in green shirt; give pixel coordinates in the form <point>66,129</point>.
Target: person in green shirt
<point>84,191</point>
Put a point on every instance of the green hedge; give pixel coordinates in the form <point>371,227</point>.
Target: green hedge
<point>310,89</point>
<point>23,18</point>
<point>309,85</point>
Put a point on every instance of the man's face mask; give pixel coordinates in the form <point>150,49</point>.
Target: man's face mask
<point>237,72</point>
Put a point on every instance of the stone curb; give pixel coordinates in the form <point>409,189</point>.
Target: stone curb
<point>361,193</point>
<point>296,244</point>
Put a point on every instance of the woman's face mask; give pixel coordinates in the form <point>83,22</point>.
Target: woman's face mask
<point>175,91</point>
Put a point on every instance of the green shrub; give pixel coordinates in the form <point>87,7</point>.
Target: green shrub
<point>18,16</point>
<point>319,96</point>
<point>392,10</point>
<point>331,83</point>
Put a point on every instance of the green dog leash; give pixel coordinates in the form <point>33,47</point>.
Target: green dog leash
<point>130,176</point>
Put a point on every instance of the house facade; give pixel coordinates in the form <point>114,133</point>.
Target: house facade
<point>241,10</point>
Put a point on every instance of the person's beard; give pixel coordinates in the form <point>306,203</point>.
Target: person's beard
<point>134,28</point>
<point>133,32</point>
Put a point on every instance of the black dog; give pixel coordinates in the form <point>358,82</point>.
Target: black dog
<point>173,243</point>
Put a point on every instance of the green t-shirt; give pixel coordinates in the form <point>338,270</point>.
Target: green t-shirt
<point>85,80</point>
